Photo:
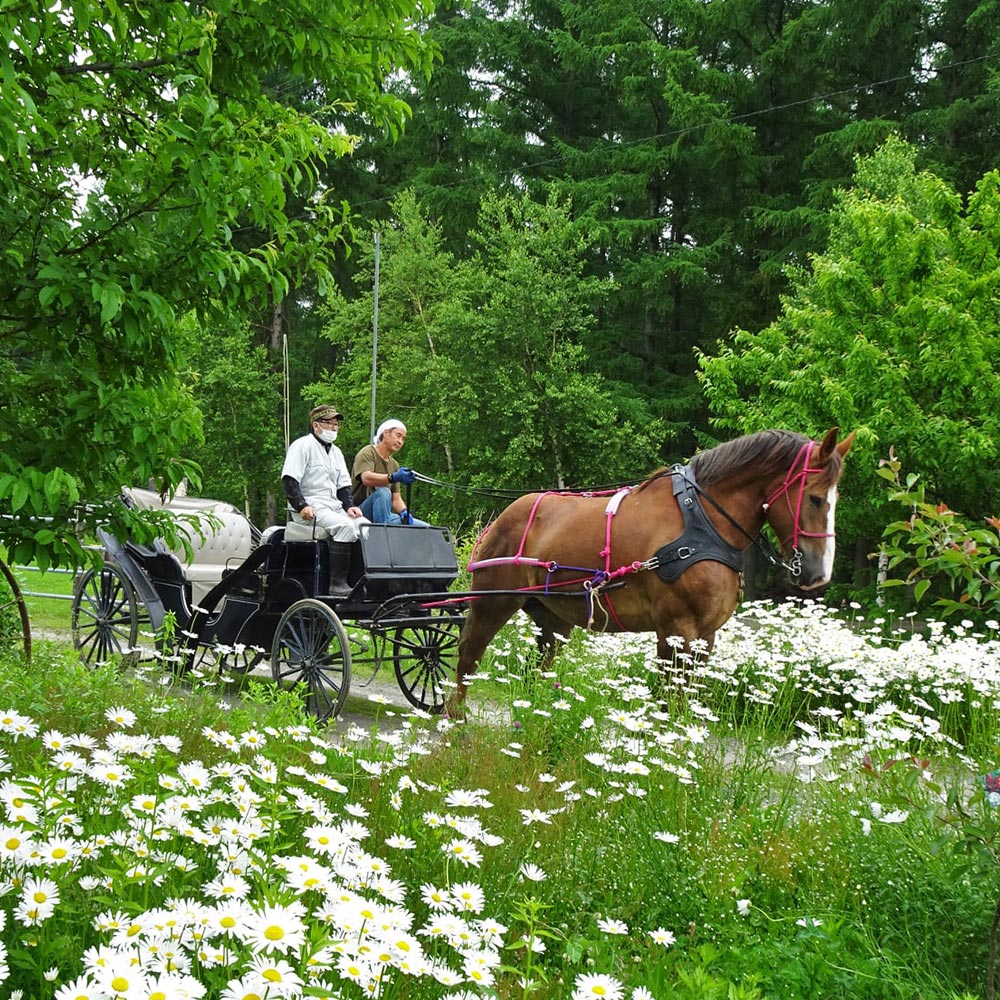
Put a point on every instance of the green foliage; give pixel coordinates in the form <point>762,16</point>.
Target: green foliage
<point>239,396</point>
<point>541,417</point>
<point>940,555</point>
<point>149,174</point>
<point>703,143</point>
<point>890,333</point>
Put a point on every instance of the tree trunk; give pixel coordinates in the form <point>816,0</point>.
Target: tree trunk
<point>862,564</point>
<point>276,326</point>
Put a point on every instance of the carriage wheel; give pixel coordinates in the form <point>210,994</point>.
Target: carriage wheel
<point>241,662</point>
<point>311,649</point>
<point>105,616</point>
<point>11,597</point>
<point>424,658</point>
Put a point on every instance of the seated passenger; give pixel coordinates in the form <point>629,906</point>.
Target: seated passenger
<point>377,476</point>
<point>318,486</point>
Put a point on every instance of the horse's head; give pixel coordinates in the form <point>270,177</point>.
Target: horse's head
<point>800,510</point>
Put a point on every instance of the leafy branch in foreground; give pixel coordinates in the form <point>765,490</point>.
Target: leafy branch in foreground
<point>970,827</point>
<point>940,552</point>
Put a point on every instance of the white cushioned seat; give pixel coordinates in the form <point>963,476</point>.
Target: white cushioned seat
<point>151,500</point>
<point>304,531</point>
<point>225,546</point>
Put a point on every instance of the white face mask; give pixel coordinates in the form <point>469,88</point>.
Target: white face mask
<point>327,436</point>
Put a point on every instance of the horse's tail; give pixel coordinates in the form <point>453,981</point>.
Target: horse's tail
<point>478,542</point>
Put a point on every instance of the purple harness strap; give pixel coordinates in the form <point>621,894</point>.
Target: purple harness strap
<point>597,579</point>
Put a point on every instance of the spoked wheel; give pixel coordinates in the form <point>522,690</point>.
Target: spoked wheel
<point>240,660</point>
<point>11,605</point>
<point>311,654</point>
<point>424,657</point>
<point>106,616</point>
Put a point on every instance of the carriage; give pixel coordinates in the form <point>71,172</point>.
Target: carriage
<point>649,558</point>
<point>240,596</point>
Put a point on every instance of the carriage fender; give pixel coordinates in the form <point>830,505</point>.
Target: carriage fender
<point>115,551</point>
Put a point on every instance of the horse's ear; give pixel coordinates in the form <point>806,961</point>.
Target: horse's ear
<point>845,446</point>
<point>829,445</point>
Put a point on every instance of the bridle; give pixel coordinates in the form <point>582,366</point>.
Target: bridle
<point>793,476</point>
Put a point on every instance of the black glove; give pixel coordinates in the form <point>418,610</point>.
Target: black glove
<point>403,475</point>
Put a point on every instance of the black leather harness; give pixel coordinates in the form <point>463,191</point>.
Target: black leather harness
<point>699,540</point>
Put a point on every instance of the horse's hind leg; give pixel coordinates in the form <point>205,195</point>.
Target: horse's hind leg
<point>553,632</point>
<point>487,615</point>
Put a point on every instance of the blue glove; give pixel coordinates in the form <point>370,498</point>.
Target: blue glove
<point>405,517</point>
<point>403,475</point>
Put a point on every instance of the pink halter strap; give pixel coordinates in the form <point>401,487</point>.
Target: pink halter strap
<point>796,475</point>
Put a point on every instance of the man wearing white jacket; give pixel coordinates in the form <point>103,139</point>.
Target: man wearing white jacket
<point>318,487</point>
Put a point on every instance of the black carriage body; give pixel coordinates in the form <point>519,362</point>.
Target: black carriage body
<point>397,560</point>
<point>388,562</point>
<point>276,603</point>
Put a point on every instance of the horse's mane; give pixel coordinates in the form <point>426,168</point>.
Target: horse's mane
<point>763,451</point>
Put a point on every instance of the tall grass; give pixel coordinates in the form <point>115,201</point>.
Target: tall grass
<point>800,816</point>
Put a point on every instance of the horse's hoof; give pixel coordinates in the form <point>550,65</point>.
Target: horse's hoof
<point>454,711</point>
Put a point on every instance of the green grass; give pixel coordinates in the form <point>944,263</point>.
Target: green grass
<point>46,613</point>
<point>813,842</point>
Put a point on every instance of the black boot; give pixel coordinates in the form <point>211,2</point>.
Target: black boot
<point>340,564</point>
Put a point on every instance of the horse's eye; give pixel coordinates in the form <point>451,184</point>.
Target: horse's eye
<point>816,501</point>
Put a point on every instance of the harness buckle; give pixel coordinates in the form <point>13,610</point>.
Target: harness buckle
<point>795,566</point>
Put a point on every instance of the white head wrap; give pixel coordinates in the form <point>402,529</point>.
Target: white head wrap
<point>387,425</point>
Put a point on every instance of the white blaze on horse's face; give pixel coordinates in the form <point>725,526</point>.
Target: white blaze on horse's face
<point>829,549</point>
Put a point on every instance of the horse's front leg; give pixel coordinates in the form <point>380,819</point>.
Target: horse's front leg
<point>486,617</point>
<point>679,653</point>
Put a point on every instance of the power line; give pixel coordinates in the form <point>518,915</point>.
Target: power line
<point>730,120</point>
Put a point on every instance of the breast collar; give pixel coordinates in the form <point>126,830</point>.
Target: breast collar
<point>699,539</point>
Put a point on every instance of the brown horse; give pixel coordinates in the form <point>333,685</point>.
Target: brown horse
<point>663,557</point>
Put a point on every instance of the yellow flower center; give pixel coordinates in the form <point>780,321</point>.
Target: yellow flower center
<point>12,844</point>
<point>274,933</point>
<point>40,897</point>
<point>272,975</point>
<point>119,984</point>
<point>59,852</point>
<point>228,922</point>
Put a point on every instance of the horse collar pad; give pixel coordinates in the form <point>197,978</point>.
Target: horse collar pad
<point>699,539</point>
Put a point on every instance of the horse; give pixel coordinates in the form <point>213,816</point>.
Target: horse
<point>664,556</point>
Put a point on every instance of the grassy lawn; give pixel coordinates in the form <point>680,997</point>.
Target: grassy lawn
<point>814,816</point>
<point>47,613</point>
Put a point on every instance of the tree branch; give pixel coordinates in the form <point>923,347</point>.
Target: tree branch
<point>138,67</point>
